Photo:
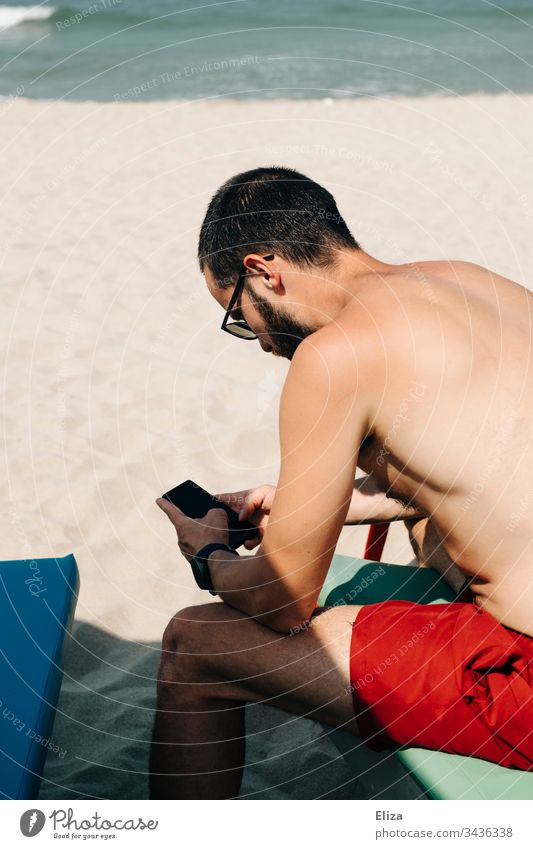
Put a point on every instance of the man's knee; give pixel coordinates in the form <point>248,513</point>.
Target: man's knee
<point>182,655</point>
<point>199,629</point>
<point>186,630</point>
<point>190,650</point>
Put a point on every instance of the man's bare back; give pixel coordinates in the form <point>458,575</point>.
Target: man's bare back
<point>453,417</point>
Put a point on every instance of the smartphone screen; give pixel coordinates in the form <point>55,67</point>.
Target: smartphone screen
<point>196,502</point>
<point>191,499</point>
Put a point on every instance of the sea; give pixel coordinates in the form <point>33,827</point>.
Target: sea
<point>132,50</point>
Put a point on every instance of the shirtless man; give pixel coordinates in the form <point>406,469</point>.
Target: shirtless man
<point>421,375</point>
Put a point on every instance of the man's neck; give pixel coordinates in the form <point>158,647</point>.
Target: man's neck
<point>351,273</point>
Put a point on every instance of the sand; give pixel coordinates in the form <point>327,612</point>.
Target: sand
<point>117,383</point>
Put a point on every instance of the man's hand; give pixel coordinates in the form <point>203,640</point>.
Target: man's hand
<point>429,550</point>
<point>371,504</point>
<point>193,534</point>
<point>252,505</point>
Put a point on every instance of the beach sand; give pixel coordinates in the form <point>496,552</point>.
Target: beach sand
<point>117,383</point>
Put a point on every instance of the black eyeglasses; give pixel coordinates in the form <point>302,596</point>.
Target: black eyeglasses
<point>239,327</point>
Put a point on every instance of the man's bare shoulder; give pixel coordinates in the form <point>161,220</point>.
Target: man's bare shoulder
<point>333,366</point>
<point>396,311</point>
<point>387,310</point>
<point>469,276</point>
<point>425,280</point>
<point>345,343</point>
<point>451,269</point>
<point>420,289</point>
<point>329,384</point>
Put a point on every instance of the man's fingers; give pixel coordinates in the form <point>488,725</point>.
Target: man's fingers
<point>246,501</point>
<point>174,513</point>
<point>235,500</point>
<point>239,502</point>
<point>168,508</point>
<point>251,543</point>
<point>225,497</point>
<point>215,518</point>
<point>246,510</point>
<point>250,507</point>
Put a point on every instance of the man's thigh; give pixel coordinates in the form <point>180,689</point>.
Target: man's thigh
<point>306,672</point>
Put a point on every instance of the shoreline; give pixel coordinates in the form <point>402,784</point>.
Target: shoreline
<point>327,100</point>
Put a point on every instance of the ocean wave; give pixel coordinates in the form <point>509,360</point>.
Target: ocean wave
<point>10,16</point>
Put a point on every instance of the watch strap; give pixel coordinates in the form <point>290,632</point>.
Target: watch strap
<point>200,565</point>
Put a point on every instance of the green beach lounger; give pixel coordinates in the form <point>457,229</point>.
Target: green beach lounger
<point>410,773</point>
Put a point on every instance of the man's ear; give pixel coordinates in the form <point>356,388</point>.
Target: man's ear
<point>266,271</point>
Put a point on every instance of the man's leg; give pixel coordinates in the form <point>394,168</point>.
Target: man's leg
<point>215,659</point>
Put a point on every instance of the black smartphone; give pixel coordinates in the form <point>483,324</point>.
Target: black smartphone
<point>195,502</point>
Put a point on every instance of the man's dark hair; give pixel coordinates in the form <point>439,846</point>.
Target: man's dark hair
<point>270,210</point>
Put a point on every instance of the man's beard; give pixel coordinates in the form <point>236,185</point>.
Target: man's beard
<point>284,333</point>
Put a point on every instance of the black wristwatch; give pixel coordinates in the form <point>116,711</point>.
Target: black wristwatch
<point>200,566</point>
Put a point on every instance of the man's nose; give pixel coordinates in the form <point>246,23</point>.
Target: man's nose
<point>265,346</point>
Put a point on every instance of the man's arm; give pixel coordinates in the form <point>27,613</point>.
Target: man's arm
<point>323,417</point>
<point>370,504</point>
<point>429,551</point>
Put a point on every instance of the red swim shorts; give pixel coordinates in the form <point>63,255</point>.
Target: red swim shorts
<point>443,676</point>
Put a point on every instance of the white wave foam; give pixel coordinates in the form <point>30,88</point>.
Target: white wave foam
<point>10,16</point>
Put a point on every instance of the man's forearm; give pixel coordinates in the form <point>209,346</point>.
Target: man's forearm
<point>429,551</point>
<point>247,584</point>
<point>370,504</point>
